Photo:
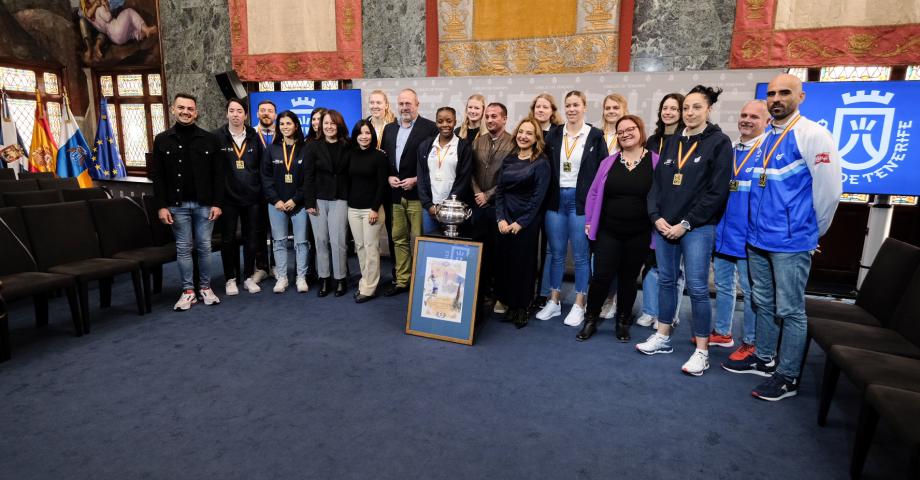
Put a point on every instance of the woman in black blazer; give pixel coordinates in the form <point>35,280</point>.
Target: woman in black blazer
<point>326,198</point>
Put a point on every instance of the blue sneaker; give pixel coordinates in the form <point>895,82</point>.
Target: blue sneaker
<point>776,388</point>
<point>750,364</point>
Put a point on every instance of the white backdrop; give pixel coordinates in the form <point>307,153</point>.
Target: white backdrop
<point>643,90</point>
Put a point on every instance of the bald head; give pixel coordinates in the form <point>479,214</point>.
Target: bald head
<point>784,94</point>
<point>753,119</point>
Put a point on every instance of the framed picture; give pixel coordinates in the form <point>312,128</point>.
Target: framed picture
<point>442,296</point>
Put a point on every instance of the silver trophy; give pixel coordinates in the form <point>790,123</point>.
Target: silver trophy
<point>452,212</point>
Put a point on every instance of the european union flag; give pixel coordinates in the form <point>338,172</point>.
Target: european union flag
<point>106,161</point>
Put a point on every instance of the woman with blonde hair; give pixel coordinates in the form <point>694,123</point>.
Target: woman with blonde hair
<point>615,107</point>
<point>378,108</point>
<point>470,128</point>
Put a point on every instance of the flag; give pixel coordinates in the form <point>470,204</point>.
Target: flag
<point>14,151</point>
<point>73,156</point>
<point>43,152</point>
<point>106,162</point>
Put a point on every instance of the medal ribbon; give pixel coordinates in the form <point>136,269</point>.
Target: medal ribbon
<point>569,150</point>
<point>239,151</point>
<point>681,158</point>
<point>737,167</point>
<point>766,160</point>
<point>441,158</point>
<point>288,160</point>
<point>612,143</point>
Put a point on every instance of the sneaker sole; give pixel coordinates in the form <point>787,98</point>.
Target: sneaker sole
<point>775,399</point>
<point>695,374</point>
<point>669,350</point>
<point>210,303</point>
<point>573,324</point>
<point>750,372</point>
<point>723,344</point>
<point>549,318</point>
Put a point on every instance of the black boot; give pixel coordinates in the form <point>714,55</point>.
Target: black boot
<point>521,317</point>
<point>324,286</point>
<point>624,321</point>
<point>589,327</point>
<point>341,287</point>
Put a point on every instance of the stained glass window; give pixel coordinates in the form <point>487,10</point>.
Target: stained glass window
<point>112,121</point>
<point>330,85</point>
<point>53,110</point>
<point>17,79</point>
<point>855,74</point>
<point>266,86</point>
<point>134,123</point>
<point>23,113</point>
<point>854,198</point>
<point>288,85</point>
<point>105,84</point>
<point>157,117</point>
<point>154,84</point>
<point>130,85</point>
<point>913,72</point>
<point>903,200</point>
<point>51,83</point>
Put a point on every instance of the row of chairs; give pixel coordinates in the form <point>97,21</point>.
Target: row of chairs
<point>66,246</point>
<point>8,174</point>
<point>875,342</point>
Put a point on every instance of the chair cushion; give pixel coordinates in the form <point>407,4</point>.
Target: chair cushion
<point>888,278</point>
<point>95,268</point>
<point>40,197</point>
<point>27,284</point>
<point>901,408</point>
<point>839,311</point>
<point>865,367</point>
<point>22,185</point>
<point>829,333</point>
<point>149,256</point>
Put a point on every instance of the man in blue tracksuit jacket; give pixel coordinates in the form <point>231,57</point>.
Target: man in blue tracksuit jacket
<point>794,194</point>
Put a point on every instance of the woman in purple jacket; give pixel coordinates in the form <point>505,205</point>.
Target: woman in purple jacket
<point>618,226</point>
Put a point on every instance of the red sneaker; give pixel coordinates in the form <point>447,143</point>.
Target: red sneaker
<point>719,340</point>
<point>744,352</point>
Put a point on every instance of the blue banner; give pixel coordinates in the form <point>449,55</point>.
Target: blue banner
<point>303,102</point>
<point>872,125</point>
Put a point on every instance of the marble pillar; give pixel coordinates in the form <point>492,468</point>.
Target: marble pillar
<point>681,35</point>
<point>196,45</point>
<point>394,38</point>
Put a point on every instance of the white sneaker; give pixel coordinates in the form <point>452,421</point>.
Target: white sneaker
<point>186,301</point>
<point>609,308</point>
<point>251,285</point>
<point>302,286</point>
<point>655,343</point>
<point>697,364</point>
<point>499,307</point>
<point>550,310</point>
<point>231,287</point>
<point>258,276</point>
<point>646,320</point>
<point>576,316</point>
<point>208,296</point>
<point>280,285</point>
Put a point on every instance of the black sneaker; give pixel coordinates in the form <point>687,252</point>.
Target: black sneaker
<point>752,365</point>
<point>776,388</point>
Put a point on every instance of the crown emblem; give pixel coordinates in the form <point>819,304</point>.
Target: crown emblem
<point>872,97</point>
<point>303,102</point>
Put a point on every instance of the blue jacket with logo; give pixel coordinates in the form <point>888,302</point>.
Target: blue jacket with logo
<point>803,186</point>
<point>731,232</point>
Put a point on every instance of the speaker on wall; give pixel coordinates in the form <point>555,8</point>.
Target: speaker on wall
<point>230,85</point>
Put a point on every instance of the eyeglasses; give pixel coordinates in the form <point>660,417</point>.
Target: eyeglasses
<point>626,131</point>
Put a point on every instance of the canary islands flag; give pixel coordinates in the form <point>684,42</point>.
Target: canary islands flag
<point>106,162</point>
<point>73,156</point>
<point>43,152</point>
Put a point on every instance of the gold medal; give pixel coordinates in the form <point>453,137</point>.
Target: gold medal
<point>763,179</point>
<point>239,155</point>
<point>288,178</point>
<point>567,167</point>
<point>678,178</point>
<point>733,185</point>
<point>288,161</point>
<point>240,165</point>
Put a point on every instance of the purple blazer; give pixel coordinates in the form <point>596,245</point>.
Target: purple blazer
<point>595,199</point>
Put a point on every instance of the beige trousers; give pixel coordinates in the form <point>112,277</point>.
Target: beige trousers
<point>367,245</point>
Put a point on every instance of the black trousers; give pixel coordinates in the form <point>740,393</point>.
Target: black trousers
<point>616,256</point>
<point>248,218</point>
<point>516,266</point>
<point>485,230</point>
<point>263,259</point>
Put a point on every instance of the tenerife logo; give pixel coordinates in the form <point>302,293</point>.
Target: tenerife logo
<point>871,141</point>
<point>303,108</point>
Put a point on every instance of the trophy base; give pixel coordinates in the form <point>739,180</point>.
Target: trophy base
<point>451,231</point>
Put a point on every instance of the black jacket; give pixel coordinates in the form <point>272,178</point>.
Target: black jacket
<point>408,162</point>
<point>595,151</point>
<point>273,171</point>
<point>325,177</point>
<point>243,186</point>
<point>165,168</point>
<point>700,197</point>
<point>460,188</point>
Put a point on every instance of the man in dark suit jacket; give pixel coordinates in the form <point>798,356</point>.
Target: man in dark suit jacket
<point>401,141</point>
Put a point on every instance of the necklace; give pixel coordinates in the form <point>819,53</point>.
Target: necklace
<point>629,163</point>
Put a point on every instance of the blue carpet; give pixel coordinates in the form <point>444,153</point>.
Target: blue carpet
<point>295,386</point>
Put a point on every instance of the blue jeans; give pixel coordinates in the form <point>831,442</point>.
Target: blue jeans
<point>563,226</point>
<point>187,218</point>
<point>547,267</point>
<point>430,224</point>
<point>650,293</point>
<point>279,224</point>
<point>695,248</point>
<point>724,270</point>
<point>778,285</point>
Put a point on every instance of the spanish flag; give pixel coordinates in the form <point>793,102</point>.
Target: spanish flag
<point>73,157</point>
<point>43,152</point>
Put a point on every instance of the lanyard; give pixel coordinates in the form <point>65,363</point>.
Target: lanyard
<point>660,145</point>
<point>681,158</point>
<point>239,151</point>
<point>262,137</point>
<point>766,160</point>
<point>612,143</point>
<point>746,157</point>
<point>441,158</point>
<point>288,160</point>
<point>570,150</point>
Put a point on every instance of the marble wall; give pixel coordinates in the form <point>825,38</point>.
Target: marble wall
<point>681,35</point>
<point>394,38</point>
<point>196,45</point>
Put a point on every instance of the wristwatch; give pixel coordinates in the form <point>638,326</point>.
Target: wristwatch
<point>685,224</point>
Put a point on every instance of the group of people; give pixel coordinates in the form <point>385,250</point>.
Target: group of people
<point>670,205</point>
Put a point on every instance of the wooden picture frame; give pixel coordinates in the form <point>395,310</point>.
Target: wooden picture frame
<point>442,303</point>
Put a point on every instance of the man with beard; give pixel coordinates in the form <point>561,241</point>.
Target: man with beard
<point>266,113</point>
